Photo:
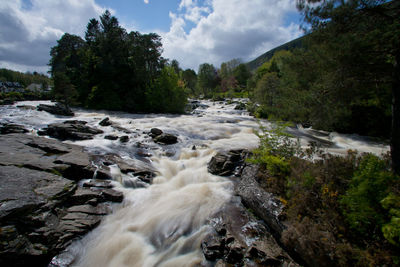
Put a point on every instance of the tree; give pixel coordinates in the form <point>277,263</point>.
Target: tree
<point>242,74</point>
<point>189,76</point>
<point>111,69</point>
<point>207,78</point>
<point>364,39</point>
<point>65,67</point>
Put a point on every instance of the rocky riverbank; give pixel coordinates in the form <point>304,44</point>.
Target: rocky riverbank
<point>42,206</point>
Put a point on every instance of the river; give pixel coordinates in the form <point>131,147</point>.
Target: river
<point>163,224</point>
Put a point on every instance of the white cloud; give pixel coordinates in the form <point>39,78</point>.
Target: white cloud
<point>227,29</point>
<point>28,33</point>
<point>146,1</point>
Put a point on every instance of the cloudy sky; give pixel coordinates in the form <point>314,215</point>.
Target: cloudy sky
<point>193,31</point>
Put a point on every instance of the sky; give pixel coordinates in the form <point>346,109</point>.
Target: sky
<point>192,31</point>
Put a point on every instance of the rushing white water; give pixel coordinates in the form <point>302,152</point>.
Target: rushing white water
<point>164,223</point>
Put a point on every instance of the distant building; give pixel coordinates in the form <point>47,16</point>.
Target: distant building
<point>35,87</point>
<point>8,87</point>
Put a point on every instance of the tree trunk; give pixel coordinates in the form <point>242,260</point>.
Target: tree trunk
<point>395,138</point>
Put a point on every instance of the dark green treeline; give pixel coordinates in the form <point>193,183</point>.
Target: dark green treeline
<point>115,70</point>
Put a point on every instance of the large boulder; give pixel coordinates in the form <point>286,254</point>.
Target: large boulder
<point>57,109</point>
<point>166,139</point>
<point>70,130</point>
<point>227,163</point>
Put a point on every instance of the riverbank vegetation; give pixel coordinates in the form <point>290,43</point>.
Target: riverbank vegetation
<point>344,210</point>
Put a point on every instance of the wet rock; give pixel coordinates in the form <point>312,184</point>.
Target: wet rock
<point>155,132</point>
<point>42,211</point>
<point>105,122</point>
<point>240,106</point>
<point>111,137</point>
<point>145,176</point>
<point>12,128</point>
<point>265,205</point>
<point>225,164</point>
<point>70,130</point>
<point>112,195</point>
<point>242,240</point>
<point>97,183</point>
<point>26,107</point>
<point>57,109</point>
<point>124,139</point>
<point>45,154</point>
<point>213,247</point>
<point>166,139</point>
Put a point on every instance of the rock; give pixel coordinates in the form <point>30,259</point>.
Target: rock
<point>265,205</point>
<point>57,109</point>
<point>71,130</point>
<point>26,107</point>
<point>23,190</point>
<point>225,164</point>
<point>97,183</point>
<point>240,239</point>
<point>105,122</point>
<point>240,106</point>
<point>124,139</point>
<point>41,211</point>
<point>112,195</point>
<point>155,132</point>
<point>111,137</point>
<point>166,139</point>
<point>12,128</point>
<point>213,247</point>
<point>45,154</point>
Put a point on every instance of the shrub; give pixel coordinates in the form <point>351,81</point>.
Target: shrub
<point>275,149</point>
<point>368,187</point>
<point>391,230</point>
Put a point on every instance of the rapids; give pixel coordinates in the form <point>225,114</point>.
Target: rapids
<point>163,224</point>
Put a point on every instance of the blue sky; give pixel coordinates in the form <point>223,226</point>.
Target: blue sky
<point>192,31</point>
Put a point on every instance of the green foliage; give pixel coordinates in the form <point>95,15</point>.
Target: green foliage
<point>391,230</point>
<point>276,149</point>
<point>116,70</point>
<point>368,187</point>
<point>25,79</point>
<point>189,77</point>
<point>343,73</point>
<point>207,79</point>
<point>165,95</point>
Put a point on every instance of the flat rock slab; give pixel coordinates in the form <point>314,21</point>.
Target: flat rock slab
<point>45,154</point>
<point>70,130</point>
<point>24,190</point>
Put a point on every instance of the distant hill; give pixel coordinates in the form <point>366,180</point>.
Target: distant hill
<point>254,64</point>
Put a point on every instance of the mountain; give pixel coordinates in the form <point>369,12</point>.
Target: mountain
<point>254,64</point>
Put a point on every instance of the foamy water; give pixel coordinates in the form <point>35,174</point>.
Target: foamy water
<point>163,224</point>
